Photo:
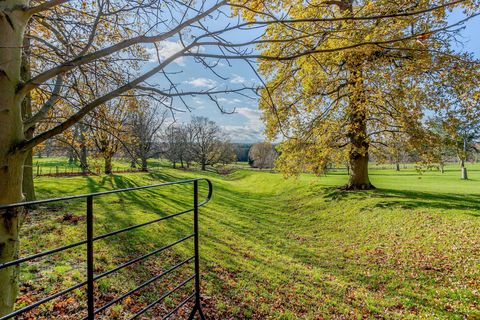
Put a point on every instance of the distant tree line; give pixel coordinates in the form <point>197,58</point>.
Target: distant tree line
<point>142,133</point>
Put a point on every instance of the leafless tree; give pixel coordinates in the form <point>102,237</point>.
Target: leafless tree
<point>206,138</point>
<point>173,146</point>
<point>228,152</point>
<point>146,124</point>
<point>262,155</point>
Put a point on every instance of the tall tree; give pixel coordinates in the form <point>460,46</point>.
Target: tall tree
<point>331,104</point>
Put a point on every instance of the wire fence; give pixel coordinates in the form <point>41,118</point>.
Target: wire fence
<point>75,170</point>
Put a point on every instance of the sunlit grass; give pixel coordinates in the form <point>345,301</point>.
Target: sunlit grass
<point>283,249</point>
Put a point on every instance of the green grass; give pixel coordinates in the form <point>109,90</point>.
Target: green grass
<point>277,249</point>
<point>61,165</point>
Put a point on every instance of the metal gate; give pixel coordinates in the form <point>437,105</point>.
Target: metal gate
<point>92,310</point>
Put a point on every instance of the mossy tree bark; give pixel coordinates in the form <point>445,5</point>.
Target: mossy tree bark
<point>28,186</point>
<point>108,165</point>
<point>12,23</point>
<point>144,164</point>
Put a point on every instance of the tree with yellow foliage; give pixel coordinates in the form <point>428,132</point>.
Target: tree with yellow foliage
<point>362,69</point>
<point>110,130</point>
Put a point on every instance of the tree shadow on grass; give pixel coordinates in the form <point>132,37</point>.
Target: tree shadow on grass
<point>337,194</point>
<point>415,199</point>
<point>406,199</point>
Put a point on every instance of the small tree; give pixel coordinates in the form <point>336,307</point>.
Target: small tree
<point>262,155</point>
<point>459,107</point>
<point>109,129</point>
<point>465,139</point>
<point>145,124</point>
<point>391,147</point>
<point>206,137</point>
<point>173,144</point>
<point>441,144</point>
<point>228,152</point>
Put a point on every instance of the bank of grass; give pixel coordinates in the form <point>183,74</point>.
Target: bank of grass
<point>274,248</point>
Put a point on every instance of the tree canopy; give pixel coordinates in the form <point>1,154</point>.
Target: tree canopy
<point>373,69</point>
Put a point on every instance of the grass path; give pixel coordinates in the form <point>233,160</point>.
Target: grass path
<point>284,249</point>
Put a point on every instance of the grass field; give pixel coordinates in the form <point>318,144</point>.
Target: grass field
<point>273,248</point>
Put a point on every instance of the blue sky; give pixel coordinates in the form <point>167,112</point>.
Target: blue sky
<point>245,125</point>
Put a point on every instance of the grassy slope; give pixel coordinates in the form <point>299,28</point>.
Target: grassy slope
<point>286,249</point>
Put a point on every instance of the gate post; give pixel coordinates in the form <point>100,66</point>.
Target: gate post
<point>90,279</point>
<point>198,305</point>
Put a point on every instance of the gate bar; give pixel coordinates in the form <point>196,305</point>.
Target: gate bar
<point>90,276</point>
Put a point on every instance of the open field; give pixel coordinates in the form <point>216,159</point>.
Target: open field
<point>275,248</point>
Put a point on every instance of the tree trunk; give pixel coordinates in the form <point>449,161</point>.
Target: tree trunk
<point>12,26</point>
<point>144,164</point>
<point>28,186</point>
<point>71,156</point>
<point>397,166</point>
<point>83,159</point>
<point>10,192</point>
<point>83,151</point>
<point>442,167</point>
<point>108,165</point>
<point>359,179</point>
<point>464,158</point>
<point>357,130</point>
<point>463,170</point>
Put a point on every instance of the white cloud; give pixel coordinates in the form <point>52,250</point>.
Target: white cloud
<point>166,49</point>
<point>200,103</point>
<point>252,128</point>
<point>201,83</point>
<point>243,134</point>
<point>252,115</point>
<point>223,100</point>
<point>237,79</point>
